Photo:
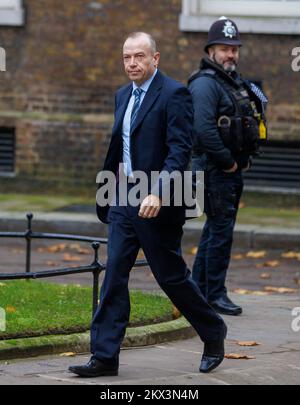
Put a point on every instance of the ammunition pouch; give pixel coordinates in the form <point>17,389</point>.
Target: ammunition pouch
<point>239,134</point>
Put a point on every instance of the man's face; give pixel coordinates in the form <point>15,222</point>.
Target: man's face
<point>226,56</point>
<point>140,61</point>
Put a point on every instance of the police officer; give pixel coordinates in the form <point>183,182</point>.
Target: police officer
<point>229,122</point>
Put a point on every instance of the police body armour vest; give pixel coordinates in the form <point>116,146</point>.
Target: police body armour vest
<point>243,130</point>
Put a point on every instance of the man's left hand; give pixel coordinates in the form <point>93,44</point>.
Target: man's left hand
<point>150,207</point>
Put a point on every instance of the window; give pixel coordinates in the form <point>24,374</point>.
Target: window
<point>257,16</point>
<point>11,12</point>
<point>7,151</point>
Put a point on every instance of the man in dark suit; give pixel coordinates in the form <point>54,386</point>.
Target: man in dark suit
<point>152,132</point>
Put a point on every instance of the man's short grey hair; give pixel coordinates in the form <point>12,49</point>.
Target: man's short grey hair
<point>152,41</point>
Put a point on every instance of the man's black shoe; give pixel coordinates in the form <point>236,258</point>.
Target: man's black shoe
<point>225,306</point>
<point>95,368</point>
<point>213,356</point>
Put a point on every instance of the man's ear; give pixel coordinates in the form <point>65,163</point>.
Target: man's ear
<point>157,58</point>
<point>211,51</point>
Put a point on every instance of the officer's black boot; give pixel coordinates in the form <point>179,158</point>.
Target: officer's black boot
<point>225,306</point>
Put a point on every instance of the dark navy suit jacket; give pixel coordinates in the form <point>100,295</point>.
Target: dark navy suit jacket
<point>161,139</point>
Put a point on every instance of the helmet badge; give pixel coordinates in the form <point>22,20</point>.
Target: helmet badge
<point>229,30</point>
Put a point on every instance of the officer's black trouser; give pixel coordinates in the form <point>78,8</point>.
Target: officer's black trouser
<point>222,196</point>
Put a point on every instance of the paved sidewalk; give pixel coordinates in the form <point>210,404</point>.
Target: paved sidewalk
<point>246,236</point>
<point>266,320</point>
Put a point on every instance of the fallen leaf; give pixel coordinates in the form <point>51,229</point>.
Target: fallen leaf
<point>261,293</point>
<point>18,251</point>
<point>53,249</point>
<point>257,255</point>
<point>74,246</point>
<point>176,313</point>
<point>57,248</point>
<point>83,251</point>
<point>248,344</point>
<point>265,276</point>
<point>70,258</point>
<point>78,249</point>
<point>280,290</point>
<point>193,251</point>
<point>52,264</point>
<point>236,356</point>
<point>238,257</point>
<point>297,281</point>
<point>271,263</point>
<point>242,291</point>
<point>10,309</point>
<point>68,354</point>
<point>291,255</point>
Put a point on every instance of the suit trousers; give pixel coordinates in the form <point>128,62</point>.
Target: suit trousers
<point>161,244</point>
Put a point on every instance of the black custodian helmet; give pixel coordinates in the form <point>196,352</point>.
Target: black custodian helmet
<point>224,31</point>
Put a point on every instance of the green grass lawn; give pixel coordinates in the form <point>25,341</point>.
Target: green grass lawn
<point>270,217</point>
<point>269,210</point>
<point>40,203</point>
<point>267,217</point>
<point>257,208</point>
<point>36,309</point>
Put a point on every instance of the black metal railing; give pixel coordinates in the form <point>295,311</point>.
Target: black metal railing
<point>95,268</point>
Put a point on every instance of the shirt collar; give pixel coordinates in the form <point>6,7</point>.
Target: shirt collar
<point>145,86</point>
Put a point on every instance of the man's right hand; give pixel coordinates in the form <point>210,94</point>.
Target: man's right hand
<point>233,169</point>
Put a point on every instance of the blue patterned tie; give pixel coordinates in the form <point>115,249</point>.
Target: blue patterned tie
<point>136,106</point>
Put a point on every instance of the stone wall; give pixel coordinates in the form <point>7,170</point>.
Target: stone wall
<point>65,64</point>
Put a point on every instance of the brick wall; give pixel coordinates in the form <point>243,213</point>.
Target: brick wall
<point>65,64</point>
